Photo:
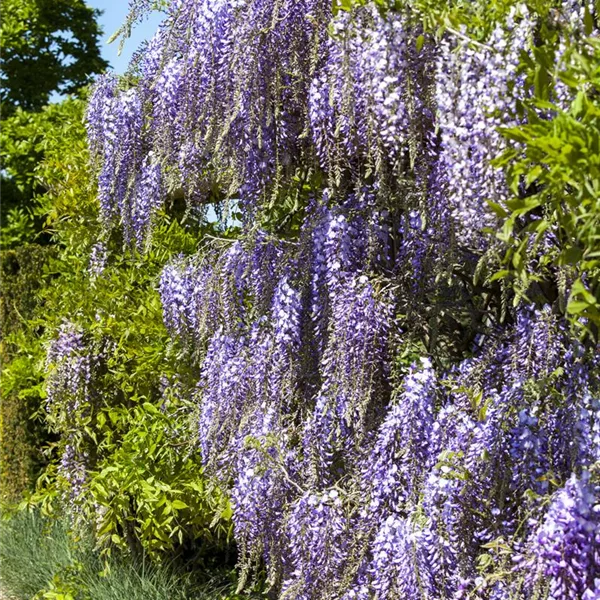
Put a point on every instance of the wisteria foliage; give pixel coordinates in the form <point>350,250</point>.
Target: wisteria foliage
<point>353,472</point>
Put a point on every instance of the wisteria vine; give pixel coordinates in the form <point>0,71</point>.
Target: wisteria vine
<point>361,461</point>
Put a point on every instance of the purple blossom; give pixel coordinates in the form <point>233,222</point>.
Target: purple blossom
<point>70,369</point>
<point>473,99</point>
<point>353,373</point>
<point>566,547</point>
<point>262,490</point>
<point>73,468</point>
<point>359,99</point>
<point>394,469</point>
<point>223,386</point>
<point>393,567</point>
<point>146,200</point>
<point>98,258</point>
<point>71,366</point>
<point>128,180</point>
<point>177,300</point>
<point>318,536</point>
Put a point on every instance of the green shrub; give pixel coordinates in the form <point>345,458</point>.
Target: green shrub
<point>144,489</point>
<point>152,490</point>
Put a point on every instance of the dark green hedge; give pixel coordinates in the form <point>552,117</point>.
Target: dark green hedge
<point>22,436</point>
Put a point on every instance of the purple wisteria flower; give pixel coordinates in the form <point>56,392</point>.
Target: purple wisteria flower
<point>98,258</point>
<point>318,535</point>
<point>353,375</point>
<point>360,99</point>
<point>474,98</point>
<point>394,470</point>
<point>70,369</point>
<point>73,468</point>
<point>566,547</point>
<point>264,485</point>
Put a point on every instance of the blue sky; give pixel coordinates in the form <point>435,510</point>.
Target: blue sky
<point>113,17</point>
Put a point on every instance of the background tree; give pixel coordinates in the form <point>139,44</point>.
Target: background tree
<point>48,47</point>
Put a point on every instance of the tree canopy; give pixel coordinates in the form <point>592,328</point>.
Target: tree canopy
<point>48,46</point>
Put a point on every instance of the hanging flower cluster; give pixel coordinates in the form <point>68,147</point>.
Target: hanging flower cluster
<point>245,95</point>
<point>363,113</point>
<point>68,394</point>
<point>354,471</point>
<point>477,90</point>
<point>222,99</point>
<point>566,547</point>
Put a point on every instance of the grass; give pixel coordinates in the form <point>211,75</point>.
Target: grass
<point>39,557</point>
<point>32,550</point>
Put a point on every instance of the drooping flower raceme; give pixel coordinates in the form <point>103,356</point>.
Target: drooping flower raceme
<point>319,535</point>
<point>358,99</point>
<point>70,377</point>
<point>473,94</point>
<point>353,375</point>
<point>566,547</point>
<point>69,394</point>
<point>393,471</point>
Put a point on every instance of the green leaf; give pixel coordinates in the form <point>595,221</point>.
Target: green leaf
<point>498,209</point>
<point>579,104</point>
<point>419,42</point>
<point>150,408</point>
<point>502,274</point>
<point>579,290</point>
<point>541,82</point>
<point>227,512</point>
<point>576,307</point>
<point>588,21</point>
<point>533,175</point>
<point>570,256</point>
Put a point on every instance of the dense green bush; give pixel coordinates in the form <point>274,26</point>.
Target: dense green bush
<point>26,270</point>
<point>24,139</point>
<point>147,495</point>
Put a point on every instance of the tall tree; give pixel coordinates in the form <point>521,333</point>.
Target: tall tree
<point>47,46</point>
